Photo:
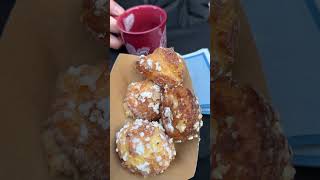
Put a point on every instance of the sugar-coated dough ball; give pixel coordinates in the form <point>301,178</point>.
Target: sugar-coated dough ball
<point>181,114</point>
<point>249,143</point>
<point>95,16</point>
<point>163,66</point>
<point>142,100</point>
<point>144,148</point>
<point>77,131</point>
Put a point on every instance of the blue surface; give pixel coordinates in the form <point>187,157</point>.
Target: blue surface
<point>304,160</point>
<point>199,69</point>
<point>314,11</point>
<point>305,141</point>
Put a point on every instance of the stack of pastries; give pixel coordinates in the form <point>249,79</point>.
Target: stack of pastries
<point>160,112</point>
<point>76,135</point>
<point>248,143</point>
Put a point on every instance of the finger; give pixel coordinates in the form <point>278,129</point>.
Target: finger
<point>115,8</point>
<point>115,42</point>
<point>113,25</point>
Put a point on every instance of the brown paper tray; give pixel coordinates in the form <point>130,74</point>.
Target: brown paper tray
<point>122,74</point>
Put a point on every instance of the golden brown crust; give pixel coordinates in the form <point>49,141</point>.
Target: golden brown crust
<point>249,143</point>
<point>142,100</point>
<point>78,121</point>
<point>163,66</point>
<point>225,25</point>
<point>144,148</point>
<point>95,16</point>
<point>181,114</point>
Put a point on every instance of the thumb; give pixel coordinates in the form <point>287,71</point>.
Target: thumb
<point>115,8</point>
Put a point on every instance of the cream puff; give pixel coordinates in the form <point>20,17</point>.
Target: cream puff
<point>144,148</point>
<point>164,66</point>
<point>143,100</point>
<point>181,114</point>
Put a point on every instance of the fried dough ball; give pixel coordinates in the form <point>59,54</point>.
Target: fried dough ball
<point>76,135</point>
<point>181,114</point>
<point>84,82</point>
<point>58,161</point>
<point>249,142</point>
<point>163,66</point>
<point>95,16</point>
<point>142,100</point>
<point>144,148</point>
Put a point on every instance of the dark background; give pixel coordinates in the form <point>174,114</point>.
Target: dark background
<point>177,38</point>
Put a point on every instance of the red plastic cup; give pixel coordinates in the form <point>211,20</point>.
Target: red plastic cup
<point>143,29</point>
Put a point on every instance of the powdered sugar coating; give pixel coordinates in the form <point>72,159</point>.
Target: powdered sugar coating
<point>168,116</point>
<point>158,66</point>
